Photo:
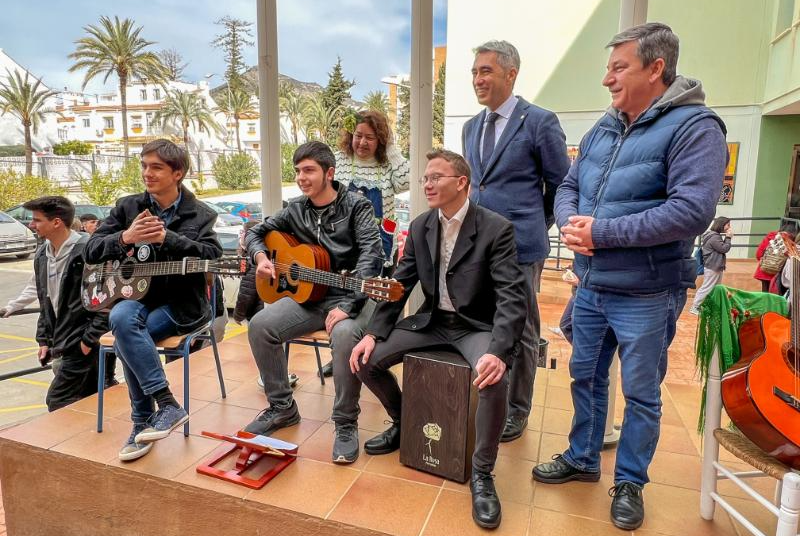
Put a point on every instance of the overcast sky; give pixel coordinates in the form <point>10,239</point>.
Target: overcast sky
<point>371,36</point>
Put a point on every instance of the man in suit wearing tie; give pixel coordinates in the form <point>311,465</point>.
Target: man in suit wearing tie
<point>518,156</point>
<point>464,258</point>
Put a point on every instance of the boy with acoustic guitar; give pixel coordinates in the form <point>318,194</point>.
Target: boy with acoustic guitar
<point>343,224</point>
<point>168,222</point>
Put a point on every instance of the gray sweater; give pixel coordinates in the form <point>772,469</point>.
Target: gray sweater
<point>715,246</point>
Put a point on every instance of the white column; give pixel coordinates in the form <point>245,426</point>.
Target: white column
<point>421,136</point>
<point>269,122</point>
<point>631,13</point>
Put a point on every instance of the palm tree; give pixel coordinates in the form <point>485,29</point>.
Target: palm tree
<point>377,101</point>
<point>293,106</point>
<point>321,120</point>
<point>26,100</point>
<point>115,47</point>
<point>236,105</point>
<point>185,109</point>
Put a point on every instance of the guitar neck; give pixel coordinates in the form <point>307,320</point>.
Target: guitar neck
<point>795,302</point>
<point>187,266</point>
<point>329,279</point>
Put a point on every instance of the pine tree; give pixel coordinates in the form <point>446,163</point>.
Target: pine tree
<point>336,93</point>
<point>438,109</point>
<point>403,117</point>
<point>237,35</point>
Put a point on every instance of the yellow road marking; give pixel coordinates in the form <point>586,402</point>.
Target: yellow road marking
<point>15,338</point>
<point>19,349</point>
<point>31,382</point>
<point>17,358</point>
<point>233,331</point>
<point>22,408</point>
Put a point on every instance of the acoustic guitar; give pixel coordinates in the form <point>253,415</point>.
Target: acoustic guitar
<point>129,279</point>
<point>761,391</point>
<point>302,272</point>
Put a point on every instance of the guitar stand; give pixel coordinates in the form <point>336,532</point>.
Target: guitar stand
<point>251,449</point>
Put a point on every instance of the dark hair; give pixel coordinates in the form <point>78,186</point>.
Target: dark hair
<point>718,225</point>
<point>788,226</point>
<point>316,151</point>
<point>249,225</point>
<point>379,124</point>
<point>654,40</point>
<point>88,217</point>
<point>457,161</point>
<point>53,206</point>
<point>172,155</point>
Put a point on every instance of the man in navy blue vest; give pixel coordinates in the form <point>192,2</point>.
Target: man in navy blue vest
<point>518,156</point>
<point>645,183</point>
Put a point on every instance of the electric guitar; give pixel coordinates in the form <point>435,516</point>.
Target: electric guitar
<point>761,391</point>
<point>129,279</point>
<point>302,272</point>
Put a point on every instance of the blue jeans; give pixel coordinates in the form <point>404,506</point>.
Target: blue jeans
<point>135,329</point>
<point>643,326</point>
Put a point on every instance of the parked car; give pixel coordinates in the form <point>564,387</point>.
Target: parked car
<point>246,211</point>
<point>104,212</point>
<point>24,216</point>
<point>402,212</point>
<point>229,238</point>
<point>15,238</point>
<point>224,218</point>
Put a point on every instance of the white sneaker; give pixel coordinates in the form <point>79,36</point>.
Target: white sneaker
<point>694,310</point>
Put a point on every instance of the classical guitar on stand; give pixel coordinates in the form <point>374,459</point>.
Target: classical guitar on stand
<point>302,272</point>
<point>761,391</point>
<point>129,279</point>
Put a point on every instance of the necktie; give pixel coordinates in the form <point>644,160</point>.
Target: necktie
<point>488,139</point>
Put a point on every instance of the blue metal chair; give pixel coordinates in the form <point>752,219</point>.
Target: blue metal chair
<point>171,347</point>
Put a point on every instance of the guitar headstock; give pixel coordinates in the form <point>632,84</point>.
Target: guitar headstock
<point>383,289</point>
<point>231,266</point>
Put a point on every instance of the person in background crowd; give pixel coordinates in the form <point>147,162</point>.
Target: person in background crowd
<point>89,223</point>
<point>788,230</point>
<point>715,244</point>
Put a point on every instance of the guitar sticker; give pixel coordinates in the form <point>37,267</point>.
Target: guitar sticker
<point>111,284</point>
<point>144,253</point>
<point>127,291</point>
<point>92,277</point>
<point>141,285</point>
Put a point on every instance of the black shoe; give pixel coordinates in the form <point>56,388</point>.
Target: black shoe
<point>272,419</point>
<point>515,425</point>
<point>385,442</point>
<point>345,445</point>
<point>327,369</point>
<point>627,506</point>
<point>110,382</point>
<point>485,503</point>
<point>559,471</point>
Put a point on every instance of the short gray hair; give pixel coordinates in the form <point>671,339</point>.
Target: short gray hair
<point>655,40</point>
<point>507,55</point>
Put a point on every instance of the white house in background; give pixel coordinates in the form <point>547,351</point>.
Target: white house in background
<point>11,132</point>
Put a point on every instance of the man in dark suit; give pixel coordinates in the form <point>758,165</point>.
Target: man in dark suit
<point>464,257</point>
<point>518,158</point>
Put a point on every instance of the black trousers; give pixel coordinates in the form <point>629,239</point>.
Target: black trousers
<point>75,378</point>
<point>446,331</point>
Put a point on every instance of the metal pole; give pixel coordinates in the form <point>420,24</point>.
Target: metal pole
<point>269,122</point>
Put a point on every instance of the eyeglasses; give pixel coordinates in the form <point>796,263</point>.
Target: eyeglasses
<point>433,179</point>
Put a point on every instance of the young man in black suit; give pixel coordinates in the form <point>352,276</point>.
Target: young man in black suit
<point>465,259</point>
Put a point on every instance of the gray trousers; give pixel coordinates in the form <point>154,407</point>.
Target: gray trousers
<point>490,414</point>
<point>523,372</point>
<point>711,278</point>
<point>285,320</point>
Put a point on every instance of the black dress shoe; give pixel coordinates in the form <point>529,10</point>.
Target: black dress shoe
<point>485,503</point>
<point>559,471</point>
<point>385,442</point>
<point>327,369</point>
<point>515,425</point>
<point>627,506</point>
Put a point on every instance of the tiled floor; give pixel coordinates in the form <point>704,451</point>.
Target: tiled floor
<point>378,492</point>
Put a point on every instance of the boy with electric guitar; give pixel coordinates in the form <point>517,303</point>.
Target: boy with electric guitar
<point>167,222</point>
<point>340,233</point>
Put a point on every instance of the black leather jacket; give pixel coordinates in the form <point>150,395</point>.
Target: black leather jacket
<point>346,229</point>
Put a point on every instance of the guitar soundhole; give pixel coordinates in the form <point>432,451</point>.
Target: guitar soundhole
<point>294,272</point>
<point>126,272</point>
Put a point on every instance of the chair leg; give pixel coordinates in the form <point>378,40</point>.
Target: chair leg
<point>319,365</point>
<point>219,364</point>
<point>789,514</point>
<point>101,383</point>
<point>708,482</point>
<point>186,346</point>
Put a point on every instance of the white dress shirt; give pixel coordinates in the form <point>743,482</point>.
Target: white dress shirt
<point>449,235</point>
<point>504,112</point>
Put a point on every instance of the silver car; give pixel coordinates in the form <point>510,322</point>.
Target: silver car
<point>15,238</point>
